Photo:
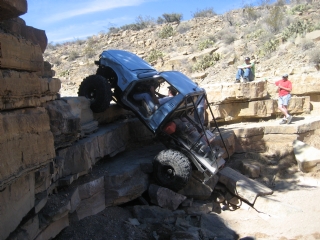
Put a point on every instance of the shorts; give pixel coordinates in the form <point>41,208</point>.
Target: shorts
<point>284,100</point>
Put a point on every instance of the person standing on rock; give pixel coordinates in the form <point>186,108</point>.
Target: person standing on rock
<point>284,89</point>
<point>246,71</point>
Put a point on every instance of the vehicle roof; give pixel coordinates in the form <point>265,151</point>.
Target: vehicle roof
<point>128,59</point>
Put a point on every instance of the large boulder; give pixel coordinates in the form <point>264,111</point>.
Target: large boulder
<point>12,8</point>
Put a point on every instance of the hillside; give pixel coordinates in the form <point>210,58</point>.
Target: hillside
<point>279,38</point>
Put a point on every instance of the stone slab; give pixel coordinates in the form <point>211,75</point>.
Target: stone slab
<point>246,188</point>
<point>83,154</point>
<point>239,111</point>
<point>16,200</point>
<point>25,89</point>
<point>54,228</point>
<point>230,92</point>
<point>308,157</point>
<point>27,130</point>
<point>64,125</point>
<point>20,54</point>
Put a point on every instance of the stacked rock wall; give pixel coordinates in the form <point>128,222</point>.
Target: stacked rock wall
<point>47,143</point>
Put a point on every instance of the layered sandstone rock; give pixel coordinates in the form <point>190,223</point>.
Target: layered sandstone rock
<point>18,28</point>
<point>12,8</point>
<point>26,142</point>
<point>20,54</point>
<point>25,89</point>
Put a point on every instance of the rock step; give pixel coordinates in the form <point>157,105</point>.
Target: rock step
<point>270,137</point>
<point>246,188</point>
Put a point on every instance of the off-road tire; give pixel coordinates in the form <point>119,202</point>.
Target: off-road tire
<point>172,169</point>
<point>98,90</point>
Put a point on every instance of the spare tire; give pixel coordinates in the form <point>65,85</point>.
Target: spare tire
<point>172,169</point>
<point>98,90</point>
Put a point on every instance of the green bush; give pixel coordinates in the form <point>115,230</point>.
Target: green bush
<point>172,17</point>
<point>205,44</point>
<point>269,47</point>
<point>154,55</point>
<point>206,62</point>
<point>208,12</point>
<point>166,31</point>
<point>298,27</point>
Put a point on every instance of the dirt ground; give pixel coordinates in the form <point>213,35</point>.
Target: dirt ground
<point>291,212</point>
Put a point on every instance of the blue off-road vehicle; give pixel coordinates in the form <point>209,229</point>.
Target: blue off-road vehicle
<point>122,74</point>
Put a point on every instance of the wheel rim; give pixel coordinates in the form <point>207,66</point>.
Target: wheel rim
<point>168,172</point>
<point>91,94</point>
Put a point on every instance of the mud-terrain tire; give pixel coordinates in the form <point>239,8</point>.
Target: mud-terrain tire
<point>98,90</point>
<point>172,169</point>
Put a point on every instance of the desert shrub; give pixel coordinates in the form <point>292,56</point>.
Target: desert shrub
<point>55,61</point>
<point>154,55</point>
<point>314,55</point>
<point>227,35</point>
<point>280,3</point>
<point>208,12</point>
<point>269,47</point>
<point>274,19</point>
<point>144,22</point>
<point>299,8</point>
<point>183,27</point>
<point>205,44</point>
<point>172,17</point>
<point>306,44</point>
<point>298,27</point>
<point>230,38</point>
<point>89,51</point>
<point>113,30</point>
<point>141,23</point>
<point>91,41</point>
<point>51,46</point>
<point>79,42</point>
<point>206,62</point>
<point>255,35</point>
<point>73,55</point>
<point>166,31</point>
<point>264,3</point>
<point>228,17</point>
<point>250,13</point>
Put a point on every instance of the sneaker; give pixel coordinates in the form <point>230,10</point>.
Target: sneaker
<point>289,118</point>
<point>237,81</point>
<point>283,121</point>
<point>245,80</point>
